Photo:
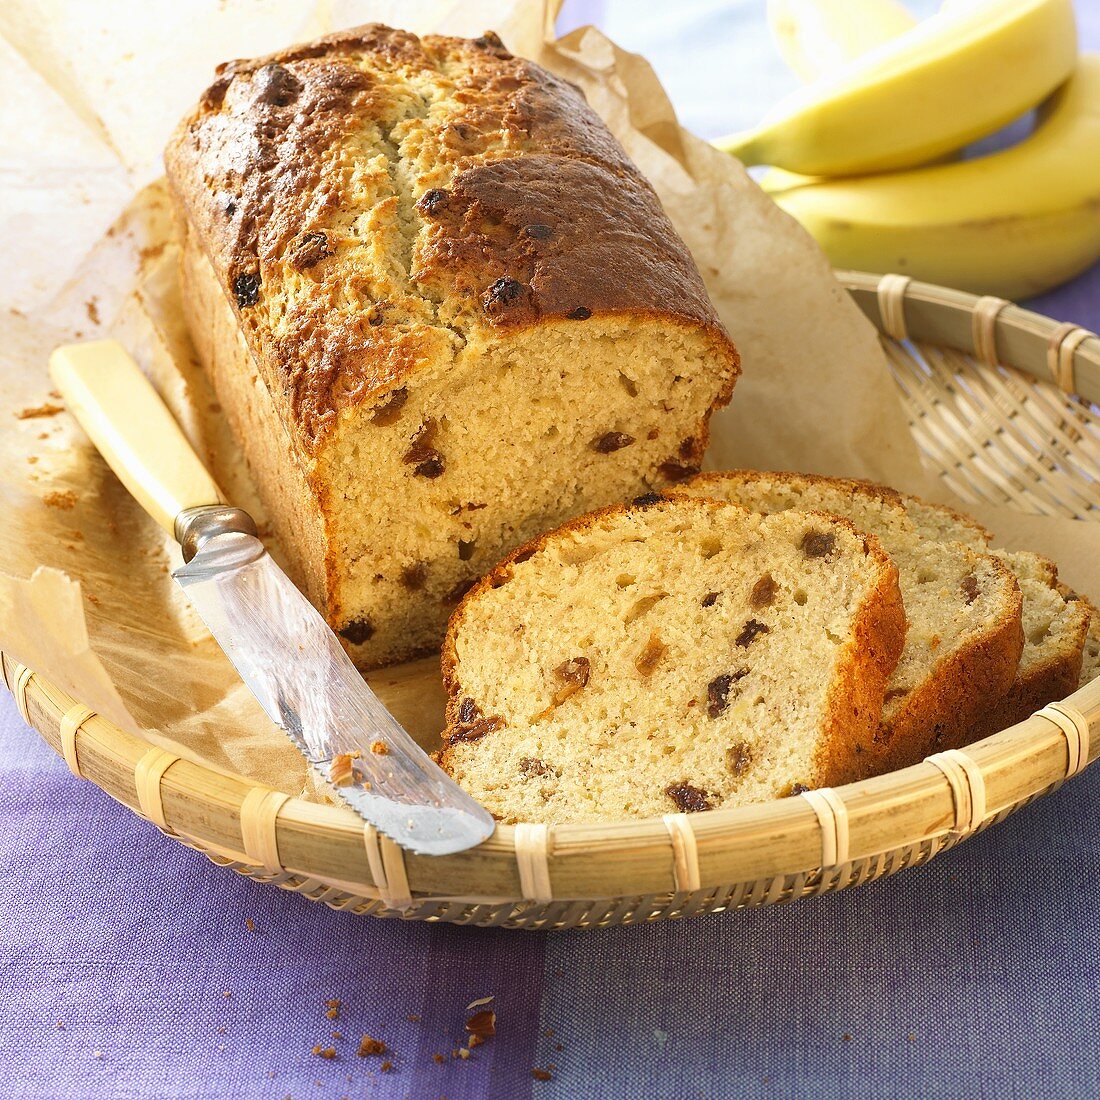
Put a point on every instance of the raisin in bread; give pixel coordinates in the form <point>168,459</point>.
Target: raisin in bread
<point>442,312</point>
<point>963,607</point>
<point>670,655</point>
<point>1055,623</point>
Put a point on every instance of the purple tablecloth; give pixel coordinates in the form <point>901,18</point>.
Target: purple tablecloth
<point>128,967</point>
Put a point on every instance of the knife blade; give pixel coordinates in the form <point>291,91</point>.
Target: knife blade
<point>281,646</point>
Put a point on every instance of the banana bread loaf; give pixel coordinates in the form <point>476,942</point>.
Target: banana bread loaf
<point>670,655</point>
<point>442,310</point>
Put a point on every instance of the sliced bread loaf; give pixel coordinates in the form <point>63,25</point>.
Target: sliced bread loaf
<point>963,607</point>
<point>1055,624</point>
<point>442,312</point>
<point>670,655</point>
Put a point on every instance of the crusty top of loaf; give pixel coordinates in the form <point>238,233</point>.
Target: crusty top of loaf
<point>373,201</point>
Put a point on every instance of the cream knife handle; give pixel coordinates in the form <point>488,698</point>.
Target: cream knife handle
<point>133,429</point>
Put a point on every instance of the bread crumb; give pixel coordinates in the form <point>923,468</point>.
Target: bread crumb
<point>483,1024</point>
<point>413,1018</point>
<point>846,1037</point>
<point>65,499</point>
<point>380,748</point>
<point>337,1034</point>
<point>36,411</point>
<point>333,1008</point>
<point>541,1075</point>
<point>342,773</point>
<point>324,1052</point>
<point>438,1059</point>
<point>91,307</point>
<point>385,1067</point>
<point>228,993</point>
<point>463,1054</point>
<point>369,1046</point>
<point>152,251</point>
<point>475,1041</point>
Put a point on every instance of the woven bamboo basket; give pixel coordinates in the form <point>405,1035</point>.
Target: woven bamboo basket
<point>1000,404</point>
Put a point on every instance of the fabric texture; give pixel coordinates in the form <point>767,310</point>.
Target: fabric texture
<point>975,976</point>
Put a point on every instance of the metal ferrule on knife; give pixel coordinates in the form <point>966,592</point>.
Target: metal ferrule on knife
<point>194,527</point>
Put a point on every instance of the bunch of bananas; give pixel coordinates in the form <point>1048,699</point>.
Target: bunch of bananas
<point>866,152</point>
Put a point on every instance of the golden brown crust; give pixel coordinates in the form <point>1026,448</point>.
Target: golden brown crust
<point>272,463</point>
<point>504,203</point>
<point>795,480</point>
<point>855,702</point>
<point>977,532</point>
<point>1055,678</point>
<point>964,686</point>
<point>854,705</point>
<point>1090,662</point>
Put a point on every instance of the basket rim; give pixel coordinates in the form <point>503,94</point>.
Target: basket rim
<point>992,329</point>
<point>252,827</point>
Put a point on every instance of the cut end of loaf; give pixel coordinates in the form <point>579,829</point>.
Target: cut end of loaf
<point>470,460</point>
<point>673,656</point>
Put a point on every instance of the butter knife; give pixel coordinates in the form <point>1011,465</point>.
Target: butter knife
<point>278,642</point>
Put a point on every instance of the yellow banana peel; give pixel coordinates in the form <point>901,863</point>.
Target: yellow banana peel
<point>1014,223</point>
<point>953,78</point>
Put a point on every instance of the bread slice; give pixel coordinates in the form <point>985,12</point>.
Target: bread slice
<point>441,310</point>
<point>670,655</point>
<point>1090,660</point>
<point>963,607</point>
<point>1055,624</point>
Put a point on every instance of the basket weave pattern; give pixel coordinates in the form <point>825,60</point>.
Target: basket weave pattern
<point>1009,435</point>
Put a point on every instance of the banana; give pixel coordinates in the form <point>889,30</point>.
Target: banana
<point>956,77</point>
<point>1014,223</point>
<point>815,37</point>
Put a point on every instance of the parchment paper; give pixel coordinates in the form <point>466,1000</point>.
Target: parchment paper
<point>88,96</point>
